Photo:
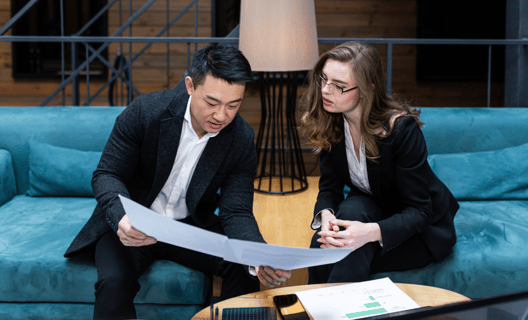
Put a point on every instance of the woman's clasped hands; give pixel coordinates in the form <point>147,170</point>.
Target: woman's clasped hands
<point>336,233</point>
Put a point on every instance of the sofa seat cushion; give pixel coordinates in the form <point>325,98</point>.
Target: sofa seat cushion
<point>35,233</point>
<point>490,255</point>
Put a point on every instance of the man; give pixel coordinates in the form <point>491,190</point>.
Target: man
<point>172,152</point>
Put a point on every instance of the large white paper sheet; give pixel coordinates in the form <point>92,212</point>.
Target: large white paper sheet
<point>282,257</point>
<point>356,300</point>
<point>249,253</point>
<point>171,231</point>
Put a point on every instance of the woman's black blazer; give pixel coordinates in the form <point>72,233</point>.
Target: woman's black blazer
<point>413,200</point>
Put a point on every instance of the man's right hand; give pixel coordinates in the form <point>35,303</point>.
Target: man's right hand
<point>131,237</point>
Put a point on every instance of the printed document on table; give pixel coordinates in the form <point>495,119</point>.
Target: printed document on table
<point>356,300</point>
<point>249,253</point>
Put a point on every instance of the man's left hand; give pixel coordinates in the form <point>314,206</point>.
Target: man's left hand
<point>270,277</point>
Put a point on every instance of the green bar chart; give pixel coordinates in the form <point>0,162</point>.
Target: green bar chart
<point>373,308</point>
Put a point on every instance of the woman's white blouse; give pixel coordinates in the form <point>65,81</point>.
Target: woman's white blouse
<point>357,168</point>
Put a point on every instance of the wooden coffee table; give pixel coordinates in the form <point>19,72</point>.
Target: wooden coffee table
<point>424,296</point>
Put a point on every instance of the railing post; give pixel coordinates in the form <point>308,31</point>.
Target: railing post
<point>389,69</point>
<point>168,45</point>
<point>196,24</point>
<point>188,56</point>
<point>62,51</point>
<point>129,64</point>
<point>87,78</point>
<point>75,82</point>
<point>489,76</point>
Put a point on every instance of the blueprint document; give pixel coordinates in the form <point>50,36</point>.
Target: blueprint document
<point>249,253</point>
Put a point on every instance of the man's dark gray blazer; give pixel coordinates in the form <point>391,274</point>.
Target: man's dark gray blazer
<point>138,159</point>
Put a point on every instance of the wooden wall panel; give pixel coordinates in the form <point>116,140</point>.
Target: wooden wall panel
<point>158,18</point>
<point>335,19</point>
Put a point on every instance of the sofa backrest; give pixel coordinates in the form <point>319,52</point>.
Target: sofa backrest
<point>82,128</point>
<point>446,130</point>
<point>455,130</point>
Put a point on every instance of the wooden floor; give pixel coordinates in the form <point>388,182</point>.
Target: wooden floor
<point>285,220</point>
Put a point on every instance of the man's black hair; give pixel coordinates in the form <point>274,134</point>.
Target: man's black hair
<point>221,61</point>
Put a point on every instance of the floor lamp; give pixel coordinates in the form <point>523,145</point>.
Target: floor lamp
<point>279,38</point>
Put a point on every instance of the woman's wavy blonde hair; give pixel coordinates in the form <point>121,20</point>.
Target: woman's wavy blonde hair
<point>378,109</point>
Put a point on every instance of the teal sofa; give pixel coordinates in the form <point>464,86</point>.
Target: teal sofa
<point>482,156</point>
<point>47,155</point>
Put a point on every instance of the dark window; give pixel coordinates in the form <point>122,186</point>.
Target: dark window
<point>455,19</point>
<point>43,59</point>
<point>226,16</point>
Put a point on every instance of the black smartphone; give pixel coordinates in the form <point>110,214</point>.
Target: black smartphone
<point>290,308</point>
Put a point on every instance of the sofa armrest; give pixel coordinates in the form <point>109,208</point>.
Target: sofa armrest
<point>7,177</point>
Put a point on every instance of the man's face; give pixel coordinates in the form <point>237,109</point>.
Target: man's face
<point>214,104</point>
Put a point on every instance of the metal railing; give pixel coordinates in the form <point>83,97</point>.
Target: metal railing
<point>92,54</point>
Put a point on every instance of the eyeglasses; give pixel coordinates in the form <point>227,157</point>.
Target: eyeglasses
<point>334,88</point>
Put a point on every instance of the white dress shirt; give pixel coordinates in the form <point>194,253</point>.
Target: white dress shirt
<point>170,202</point>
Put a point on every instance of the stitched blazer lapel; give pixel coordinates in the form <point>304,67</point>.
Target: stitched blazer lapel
<point>341,156</point>
<point>212,157</point>
<point>168,142</point>
<point>375,170</point>
<point>374,176</point>
<point>342,161</point>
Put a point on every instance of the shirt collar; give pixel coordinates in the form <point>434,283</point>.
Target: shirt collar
<point>188,122</point>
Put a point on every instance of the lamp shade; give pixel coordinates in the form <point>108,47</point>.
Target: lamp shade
<point>278,35</point>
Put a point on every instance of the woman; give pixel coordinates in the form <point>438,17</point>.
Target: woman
<point>398,214</point>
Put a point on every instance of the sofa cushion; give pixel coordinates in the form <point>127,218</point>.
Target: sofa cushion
<point>35,233</point>
<point>490,255</point>
<point>79,311</point>
<point>7,177</point>
<point>455,130</point>
<point>487,175</point>
<point>83,128</point>
<point>56,171</point>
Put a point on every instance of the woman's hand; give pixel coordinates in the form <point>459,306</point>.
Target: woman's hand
<point>355,235</point>
<point>326,217</point>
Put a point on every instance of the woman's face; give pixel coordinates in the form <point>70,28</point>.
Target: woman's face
<point>334,101</point>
